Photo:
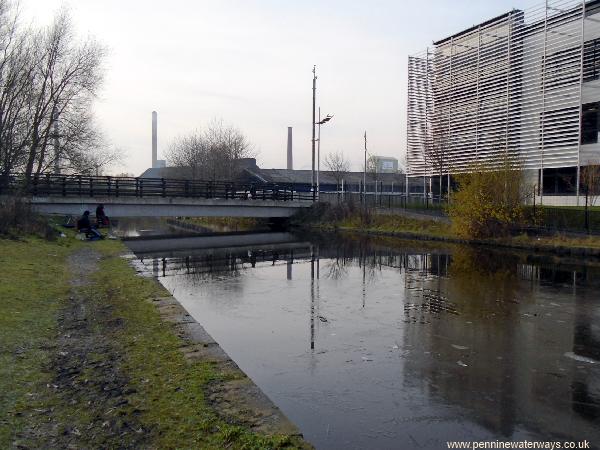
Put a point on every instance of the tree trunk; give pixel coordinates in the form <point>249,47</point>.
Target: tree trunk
<point>32,153</point>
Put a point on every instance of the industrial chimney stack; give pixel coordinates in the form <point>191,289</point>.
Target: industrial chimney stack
<point>154,140</point>
<point>290,162</point>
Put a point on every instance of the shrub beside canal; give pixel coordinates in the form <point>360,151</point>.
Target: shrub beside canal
<point>331,218</point>
<point>17,218</point>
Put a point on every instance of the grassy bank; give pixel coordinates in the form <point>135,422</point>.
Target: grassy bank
<point>424,229</point>
<point>396,223</point>
<point>34,284</point>
<point>93,365</point>
<point>226,223</point>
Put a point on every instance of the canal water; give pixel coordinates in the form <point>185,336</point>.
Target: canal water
<point>149,227</point>
<point>378,344</point>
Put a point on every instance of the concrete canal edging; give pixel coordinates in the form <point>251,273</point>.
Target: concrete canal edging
<point>235,397</point>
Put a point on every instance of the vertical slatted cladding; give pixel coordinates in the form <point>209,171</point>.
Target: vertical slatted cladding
<point>509,86</point>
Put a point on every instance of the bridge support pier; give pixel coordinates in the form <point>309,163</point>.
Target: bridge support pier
<point>279,223</point>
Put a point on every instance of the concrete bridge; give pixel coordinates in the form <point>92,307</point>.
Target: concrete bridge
<point>169,207</point>
<point>157,197</point>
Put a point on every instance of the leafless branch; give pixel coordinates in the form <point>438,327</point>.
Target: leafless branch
<point>210,154</point>
<point>338,165</point>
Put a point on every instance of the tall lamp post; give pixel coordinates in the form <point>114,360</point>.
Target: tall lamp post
<point>312,177</point>
<point>365,174</point>
<point>320,122</point>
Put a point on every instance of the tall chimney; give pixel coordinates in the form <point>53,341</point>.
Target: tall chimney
<point>290,162</point>
<point>154,140</point>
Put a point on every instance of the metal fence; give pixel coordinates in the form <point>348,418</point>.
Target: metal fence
<point>105,186</point>
<point>385,200</point>
<point>541,218</point>
<point>569,219</point>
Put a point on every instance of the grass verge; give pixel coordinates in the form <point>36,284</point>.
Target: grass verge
<point>397,223</point>
<point>169,389</point>
<point>34,283</point>
<point>413,228</point>
<point>227,223</point>
<point>131,355</point>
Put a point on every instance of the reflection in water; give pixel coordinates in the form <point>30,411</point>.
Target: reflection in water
<point>436,344</point>
<point>135,227</point>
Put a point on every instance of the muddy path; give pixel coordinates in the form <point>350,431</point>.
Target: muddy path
<point>87,376</point>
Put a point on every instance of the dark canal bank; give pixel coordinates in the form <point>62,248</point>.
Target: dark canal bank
<point>371,343</point>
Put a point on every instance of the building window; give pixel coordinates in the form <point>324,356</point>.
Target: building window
<point>589,123</point>
<point>591,60</point>
<point>560,181</point>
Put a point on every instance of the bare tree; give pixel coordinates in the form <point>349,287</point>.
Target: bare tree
<point>211,154</point>
<point>47,78</point>
<point>436,155</point>
<point>97,162</point>
<point>590,181</point>
<point>66,75</point>
<point>338,165</point>
<point>372,168</point>
<point>15,87</point>
<point>189,151</point>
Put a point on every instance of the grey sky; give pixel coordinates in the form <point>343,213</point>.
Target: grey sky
<point>249,63</point>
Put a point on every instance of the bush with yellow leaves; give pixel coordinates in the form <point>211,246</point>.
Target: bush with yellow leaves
<point>490,200</point>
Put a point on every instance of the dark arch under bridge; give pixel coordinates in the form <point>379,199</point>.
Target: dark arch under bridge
<point>157,197</point>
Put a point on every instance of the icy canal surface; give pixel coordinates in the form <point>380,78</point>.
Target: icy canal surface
<point>389,344</point>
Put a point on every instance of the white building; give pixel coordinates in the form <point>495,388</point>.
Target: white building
<point>384,164</point>
<point>525,84</point>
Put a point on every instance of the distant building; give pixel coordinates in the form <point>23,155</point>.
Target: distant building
<point>385,164</point>
<point>187,173</point>
<point>328,181</point>
<point>174,173</point>
<point>523,84</point>
<point>249,172</point>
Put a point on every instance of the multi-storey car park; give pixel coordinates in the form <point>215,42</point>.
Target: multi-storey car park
<point>525,84</point>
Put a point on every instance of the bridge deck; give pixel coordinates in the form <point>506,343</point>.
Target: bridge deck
<point>157,197</point>
<point>168,207</point>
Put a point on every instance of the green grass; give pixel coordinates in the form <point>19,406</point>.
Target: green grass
<point>398,224</point>
<point>559,240</point>
<point>226,223</point>
<point>169,390</point>
<point>569,208</point>
<point>165,392</point>
<point>33,286</point>
<point>410,227</point>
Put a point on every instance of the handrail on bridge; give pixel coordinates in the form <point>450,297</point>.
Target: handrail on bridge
<point>108,186</point>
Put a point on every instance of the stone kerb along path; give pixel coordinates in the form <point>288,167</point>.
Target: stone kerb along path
<point>235,398</point>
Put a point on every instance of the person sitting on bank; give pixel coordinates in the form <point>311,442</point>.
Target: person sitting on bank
<point>101,217</point>
<point>84,226</point>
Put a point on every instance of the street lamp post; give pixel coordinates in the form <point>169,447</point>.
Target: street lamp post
<point>320,122</point>
<point>319,155</point>
<point>312,178</point>
<point>365,174</point>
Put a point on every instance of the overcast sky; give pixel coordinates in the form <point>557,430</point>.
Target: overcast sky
<point>250,64</point>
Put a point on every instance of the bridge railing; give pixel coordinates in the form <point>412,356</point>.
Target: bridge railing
<point>55,185</point>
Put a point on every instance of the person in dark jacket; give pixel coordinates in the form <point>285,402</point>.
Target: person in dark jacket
<point>101,217</point>
<point>84,226</point>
